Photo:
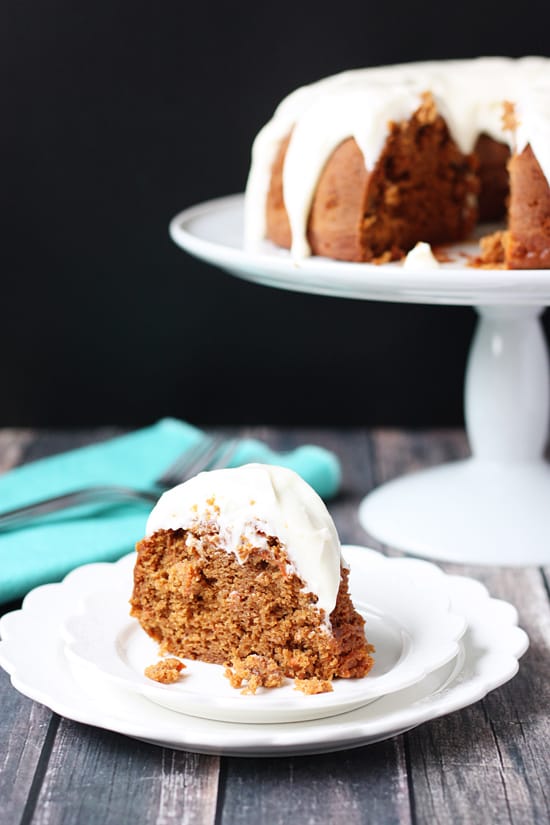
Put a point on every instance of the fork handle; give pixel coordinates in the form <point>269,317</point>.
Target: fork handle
<point>21,516</point>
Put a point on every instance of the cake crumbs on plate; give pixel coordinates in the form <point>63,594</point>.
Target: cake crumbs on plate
<point>167,671</point>
<point>254,671</point>
<point>493,251</point>
<point>313,686</point>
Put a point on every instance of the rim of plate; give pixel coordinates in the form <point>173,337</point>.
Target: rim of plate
<point>389,282</point>
<point>407,606</point>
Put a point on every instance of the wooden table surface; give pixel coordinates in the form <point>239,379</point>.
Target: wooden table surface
<point>489,763</point>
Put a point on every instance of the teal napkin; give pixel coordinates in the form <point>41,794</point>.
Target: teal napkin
<point>48,550</point>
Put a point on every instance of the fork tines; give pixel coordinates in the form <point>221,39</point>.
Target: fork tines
<point>211,452</point>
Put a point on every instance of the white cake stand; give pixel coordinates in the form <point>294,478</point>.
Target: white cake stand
<point>493,508</point>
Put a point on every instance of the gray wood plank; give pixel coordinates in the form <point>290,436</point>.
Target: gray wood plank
<point>97,776</point>
<point>25,727</point>
<point>367,785</point>
<point>490,762</point>
<point>400,451</point>
<point>12,446</point>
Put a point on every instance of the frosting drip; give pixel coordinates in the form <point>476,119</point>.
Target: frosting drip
<point>251,503</point>
<point>469,94</point>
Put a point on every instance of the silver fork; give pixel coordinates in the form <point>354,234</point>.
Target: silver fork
<point>212,453</point>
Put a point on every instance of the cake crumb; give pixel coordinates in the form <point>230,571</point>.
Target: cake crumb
<point>510,121</point>
<point>313,686</point>
<point>167,671</point>
<point>493,251</point>
<point>254,671</point>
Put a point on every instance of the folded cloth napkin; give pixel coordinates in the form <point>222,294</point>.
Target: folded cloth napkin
<point>49,549</point>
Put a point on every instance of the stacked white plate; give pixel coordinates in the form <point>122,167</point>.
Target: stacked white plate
<point>441,644</point>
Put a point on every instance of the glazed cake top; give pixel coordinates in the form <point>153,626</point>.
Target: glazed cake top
<point>249,504</point>
<point>469,94</point>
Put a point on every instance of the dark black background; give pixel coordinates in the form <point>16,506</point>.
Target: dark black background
<point>117,115</point>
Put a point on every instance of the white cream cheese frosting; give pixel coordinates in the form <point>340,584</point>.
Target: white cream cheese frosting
<point>421,257</point>
<point>252,503</point>
<point>469,94</point>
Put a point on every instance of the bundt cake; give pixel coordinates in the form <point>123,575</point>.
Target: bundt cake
<point>364,165</point>
<point>243,567</point>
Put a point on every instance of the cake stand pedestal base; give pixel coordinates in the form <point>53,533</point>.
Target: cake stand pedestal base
<point>469,511</point>
<point>493,508</point>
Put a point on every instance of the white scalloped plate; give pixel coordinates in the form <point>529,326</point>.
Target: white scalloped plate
<point>408,620</point>
<point>488,657</point>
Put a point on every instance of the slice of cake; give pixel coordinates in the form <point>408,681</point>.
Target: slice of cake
<point>243,567</point>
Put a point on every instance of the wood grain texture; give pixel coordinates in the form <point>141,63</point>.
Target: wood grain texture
<point>12,446</point>
<point>97,776</point>
<point>26,729</point>
<point>25,726</point>
<point>489,762</point>
<point>367,785</point>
